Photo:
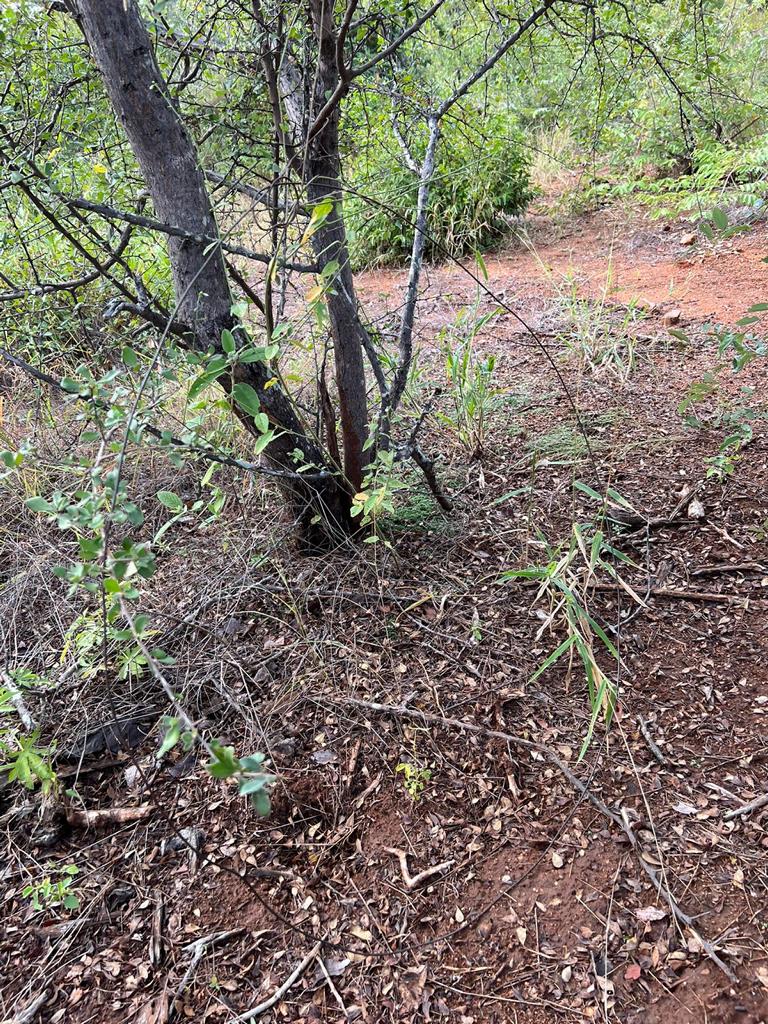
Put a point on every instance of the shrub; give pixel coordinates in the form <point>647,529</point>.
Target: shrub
<point>475,190</point>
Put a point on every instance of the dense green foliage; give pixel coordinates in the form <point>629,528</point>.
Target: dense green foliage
<point>481,182</point>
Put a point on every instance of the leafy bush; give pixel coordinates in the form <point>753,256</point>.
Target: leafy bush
<point>474,192</point>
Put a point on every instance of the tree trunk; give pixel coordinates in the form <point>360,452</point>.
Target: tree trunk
<point>321,171</point>
<point>167,156</point>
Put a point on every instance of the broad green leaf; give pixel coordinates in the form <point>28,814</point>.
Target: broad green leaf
<point>129,357</point>
<point>261,803</point>
<point>171,737</point>
<point>262,442</point>
<point>171,501</point>
<point>246,398</point>
<point>719,218</point>
<point>38,504</point>
<point>224,764</point>
<point>201,383</point>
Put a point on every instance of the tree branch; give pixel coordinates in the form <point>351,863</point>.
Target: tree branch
<point>394,46</point>
<point>167,438</point>
<point>110,213</point>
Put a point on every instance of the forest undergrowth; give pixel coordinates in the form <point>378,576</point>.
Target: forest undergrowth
<point>519,748</point>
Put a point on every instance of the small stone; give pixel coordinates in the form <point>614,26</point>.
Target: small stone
<point>696,509</point>
<point>671,317</point>
<point>688,238</point>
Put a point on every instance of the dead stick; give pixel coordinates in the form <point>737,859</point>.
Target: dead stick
<point>18,702</point>
<point>726,567</point>
<point>683,595</point>
<point>617,819</point>
<point>644,730</point>
<point>30,1011</point>
<point>278,994</point>
<point>332,987</point>
<point>753,805</point>
<point>198,948</point>
<point>101,816</point>
<point>413,881</point>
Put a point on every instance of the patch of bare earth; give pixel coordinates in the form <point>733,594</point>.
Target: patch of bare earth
<point>538,907</point>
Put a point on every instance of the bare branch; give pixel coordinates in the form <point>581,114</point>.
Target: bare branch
<point>111,213</point>
<point>494,59</point>
<point>397,43</point>
<point>161,435</point>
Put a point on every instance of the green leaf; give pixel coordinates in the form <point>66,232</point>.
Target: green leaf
<point>615,496</point>
<point>557,653</point>
<point>228,342</point>
<point>129,357</point>
<point>224,764</point>
<point>719,218</point>
<point>39,504</point>
<point>171,737</point>
<point>200,384</point>
<point>261,803</point>
<point>261,354</point>
<point>171,501</point>
<point>255,785</point>
<point>252,763</point>
<point>681,335</point>
<point>261,422</point>
<point>511,494</point>
<point>262,442</point>
<point>586,489</point>
<point>246,398</point>
<point>210,375</point>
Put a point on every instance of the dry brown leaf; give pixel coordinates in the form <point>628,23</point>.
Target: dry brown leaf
<point>648,914</point>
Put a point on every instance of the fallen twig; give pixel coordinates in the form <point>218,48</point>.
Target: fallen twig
<point>697,595</point>
<point>334,991</point>
<point>753,805</point>
<point>715,570</point>
<point>617,818</point>
<point>682,595</point>
<point>645,732</point>
<point>18,702</point>
<point>100,816</point>
<point>414,881</point>
<point>198,948</point>
<point>30,1010</point>
<point>278,994</point>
